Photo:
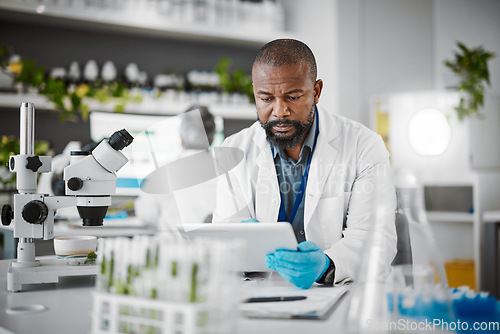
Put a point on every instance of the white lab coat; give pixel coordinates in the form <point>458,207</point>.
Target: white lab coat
<point>348,179</point>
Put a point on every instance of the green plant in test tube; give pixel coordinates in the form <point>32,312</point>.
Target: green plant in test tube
<point>194,273</point>
<point>174,269</point>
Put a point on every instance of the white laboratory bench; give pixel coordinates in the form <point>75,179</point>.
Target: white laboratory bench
<point>128,227</point>
<point>69,305</point>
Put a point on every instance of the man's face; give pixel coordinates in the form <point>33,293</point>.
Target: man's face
<point>285,97</point>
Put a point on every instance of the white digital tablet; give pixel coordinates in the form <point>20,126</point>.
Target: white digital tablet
<point>259,239</point>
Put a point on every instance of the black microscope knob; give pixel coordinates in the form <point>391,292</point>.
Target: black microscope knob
<point>12,163</point>
<point>33,163</point>
<point>35,212</point>
<point>7,214</point>
<point>75,183</point>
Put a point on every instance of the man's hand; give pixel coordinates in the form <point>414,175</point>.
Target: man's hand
<point>301,268</point>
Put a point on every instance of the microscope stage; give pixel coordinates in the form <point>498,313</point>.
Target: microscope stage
<point>49,271</point>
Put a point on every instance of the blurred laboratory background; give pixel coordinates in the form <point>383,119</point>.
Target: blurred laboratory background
<point>90,65</point>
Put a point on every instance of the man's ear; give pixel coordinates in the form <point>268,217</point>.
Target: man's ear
<point>318,87</point>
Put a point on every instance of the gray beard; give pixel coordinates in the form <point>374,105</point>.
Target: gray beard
<point>288,142</point>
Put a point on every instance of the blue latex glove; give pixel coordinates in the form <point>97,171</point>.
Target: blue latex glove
<point>301,268</point>
<point>251,220</point>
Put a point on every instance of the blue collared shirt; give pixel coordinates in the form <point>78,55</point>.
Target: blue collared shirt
<point>290,174</point>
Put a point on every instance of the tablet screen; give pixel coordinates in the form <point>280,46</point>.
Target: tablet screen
<point>258,239</point>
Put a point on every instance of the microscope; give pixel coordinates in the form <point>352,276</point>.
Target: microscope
<point>90,180</point>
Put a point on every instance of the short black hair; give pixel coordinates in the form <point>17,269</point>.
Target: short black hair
<point>282,52</point>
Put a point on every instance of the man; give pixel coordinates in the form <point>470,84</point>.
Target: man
<point>322,173</point>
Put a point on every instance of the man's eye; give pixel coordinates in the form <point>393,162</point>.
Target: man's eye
<point>266,99</point>
<point>294,97</point>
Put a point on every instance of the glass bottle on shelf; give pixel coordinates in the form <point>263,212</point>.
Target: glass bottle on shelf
<point>108,72</point>
<point>74,75</point>
<point>91,73</point>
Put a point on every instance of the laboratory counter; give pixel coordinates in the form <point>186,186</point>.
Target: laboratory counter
<point>67,308</point>
<point>128,227</point>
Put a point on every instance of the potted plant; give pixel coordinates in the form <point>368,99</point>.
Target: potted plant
<point>471,65</point>
<point>236,82</point>
<point>69,102</point>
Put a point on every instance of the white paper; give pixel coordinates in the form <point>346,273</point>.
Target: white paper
<point>318,302</point>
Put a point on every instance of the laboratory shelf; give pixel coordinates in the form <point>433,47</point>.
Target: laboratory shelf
<point>450,216</point>
<point>464,181</point>
<point>491,216</point>
<point>124,21</point>
<point>150,106</point>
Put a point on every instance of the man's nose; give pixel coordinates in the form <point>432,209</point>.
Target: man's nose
<point>280,109</point>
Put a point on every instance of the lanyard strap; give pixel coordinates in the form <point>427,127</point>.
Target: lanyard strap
<point>300,194</point>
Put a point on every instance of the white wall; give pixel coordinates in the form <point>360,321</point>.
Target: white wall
<point>385,46</point>
<point>315,23</point>
<point>454,239</point>
<point>351,70</point>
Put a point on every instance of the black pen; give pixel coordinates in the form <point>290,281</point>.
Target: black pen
<point>274,299</point>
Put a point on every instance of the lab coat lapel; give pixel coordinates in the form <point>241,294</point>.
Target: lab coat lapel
<point>322,162</point>
<point>267,198</point>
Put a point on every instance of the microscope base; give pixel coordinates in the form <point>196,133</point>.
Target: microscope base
<point>49,271</point>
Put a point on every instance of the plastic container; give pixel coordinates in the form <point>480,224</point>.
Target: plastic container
<point>461,272</point>
<point>163,284</point>
<point>129,314</point>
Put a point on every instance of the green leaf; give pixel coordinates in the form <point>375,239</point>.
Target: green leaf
<point>119,108</point>
<point>102,95</point>
<point>236,82</point>
<point>38,76</point>
<point>76,101</point>
<point>84,110</point>
<point>91,257</point>
<point>120,288</point>
<point>464,49</point>
<point>154,294</point>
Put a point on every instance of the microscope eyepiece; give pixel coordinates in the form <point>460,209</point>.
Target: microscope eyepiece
<point>120,139</point>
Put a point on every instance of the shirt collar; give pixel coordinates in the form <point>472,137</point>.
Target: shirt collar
<point>309,142</point>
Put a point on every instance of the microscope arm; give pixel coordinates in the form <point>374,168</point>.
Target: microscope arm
<point>58,202</point>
